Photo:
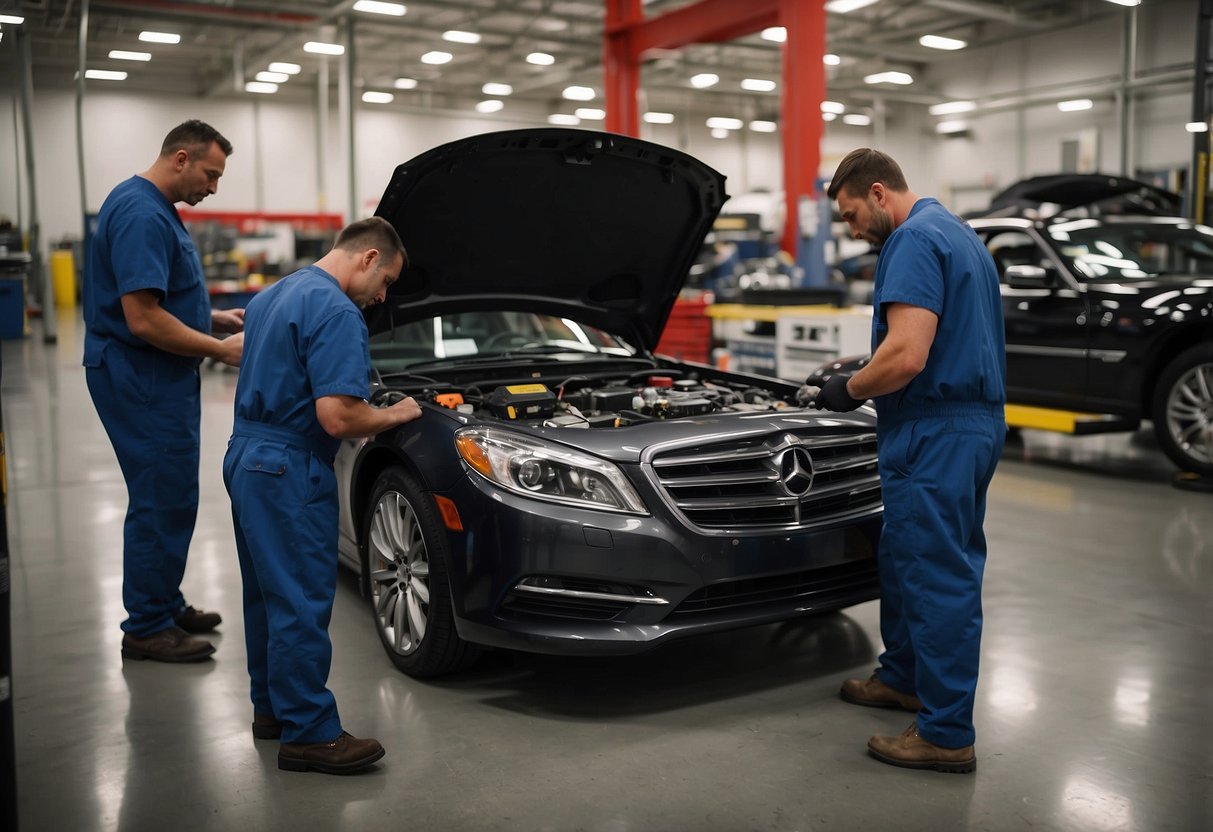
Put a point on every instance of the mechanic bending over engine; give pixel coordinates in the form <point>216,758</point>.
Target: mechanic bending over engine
<point>302,389</point>
<point>148,324</point>
<point>937,377</point>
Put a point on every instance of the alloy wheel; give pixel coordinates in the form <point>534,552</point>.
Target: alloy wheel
<point>1190,413</point>
<point>399,573</point>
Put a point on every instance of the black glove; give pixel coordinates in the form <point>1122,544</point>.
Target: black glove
<point>834,396</point>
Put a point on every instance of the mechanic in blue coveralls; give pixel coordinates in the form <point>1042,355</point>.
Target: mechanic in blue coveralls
<point>303,388</point>
<point>148,324</point>
<point>937,378</point>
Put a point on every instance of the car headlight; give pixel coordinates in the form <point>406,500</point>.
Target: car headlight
<point>547,472</point>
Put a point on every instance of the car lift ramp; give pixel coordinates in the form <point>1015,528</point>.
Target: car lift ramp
<point>1066,421</point>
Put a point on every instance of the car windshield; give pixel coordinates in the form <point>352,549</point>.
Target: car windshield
<point>469,336</point>
<point>1102,250</point>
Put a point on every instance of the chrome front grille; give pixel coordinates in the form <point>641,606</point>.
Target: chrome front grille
<point>785,480</point>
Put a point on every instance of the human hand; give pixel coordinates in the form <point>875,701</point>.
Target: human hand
<point>835,396</point>
<point>406,410</point>
<point>227,320</point>
<point>231,349</point>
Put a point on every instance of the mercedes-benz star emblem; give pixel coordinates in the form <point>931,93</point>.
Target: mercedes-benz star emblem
<point>796,471</point>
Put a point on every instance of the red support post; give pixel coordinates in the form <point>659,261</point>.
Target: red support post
<point>621,71</point>
<point>804,87</point>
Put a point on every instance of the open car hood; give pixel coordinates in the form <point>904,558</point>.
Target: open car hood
<point>593,226</point>
<point>1110,194</point>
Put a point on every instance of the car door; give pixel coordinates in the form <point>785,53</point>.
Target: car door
<point>1047,327</point>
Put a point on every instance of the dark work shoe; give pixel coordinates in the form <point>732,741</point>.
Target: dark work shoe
<point>344,755</point>
<point>197,621</point>
<point>873,693</point>
<point>911,751</point>
<point>171,645</point>
<point>266,727</point>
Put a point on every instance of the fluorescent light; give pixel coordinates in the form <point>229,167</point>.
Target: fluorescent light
<point>760,126</point>
<point>123,55</point>
<point>105,74</point>
<point>405,83</point>
<point>273,77</point>
<point>704,80</point>
<point>492,105</point>
<point>436,57</point>
<point>719,133</point>
<point>857,119</point>
<point>655,117</point>
<point>948,108</point>
<point>888,78</point>
<point>159,37</point>
<point>576,93</point>
<point>779,34</point>
<point>757,84</point>
<point>14,19</point>
<point>719,122</point>
<point>262,87</point>
<point>847,6</point>
<point>459,36</point>
<point>377,7</point>
<point>565,119</point>
<point>1197,127</point>
<point>319,47</point>
<point>283,66</point>
<point>492,88</point>
<point>833,107</point>
<point>1074,105</point>
<point>829,116</point>
<point>590,113</point>
<point>948,127</point>
<point>830,59</point>
<point>540,59</point>
<point>940,42</point>
<point>1126,2</point>
<point>376,97</point>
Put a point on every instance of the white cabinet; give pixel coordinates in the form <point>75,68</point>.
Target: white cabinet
<point>805,342</point>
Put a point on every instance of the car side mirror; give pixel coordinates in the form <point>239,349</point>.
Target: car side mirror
<point>1028,277</point>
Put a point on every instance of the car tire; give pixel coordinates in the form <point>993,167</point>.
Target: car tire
<point>405,560</point>
<point>1182,410</point>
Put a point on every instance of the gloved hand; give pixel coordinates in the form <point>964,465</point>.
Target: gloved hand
<point>834,396</point>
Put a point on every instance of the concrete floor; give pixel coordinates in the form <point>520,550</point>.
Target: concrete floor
<point>1093,711</point>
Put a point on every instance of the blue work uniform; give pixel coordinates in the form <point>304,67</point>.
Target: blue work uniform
<point>303,339</point>
<point>939,440</point>
<point>148,399</point>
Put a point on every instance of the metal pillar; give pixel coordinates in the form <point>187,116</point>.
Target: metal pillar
<point>322,134</point>
<point>345,109</point>
<point>1201,99</point>
<point>803,90</point>
<point>82,58</point>
<point>39,276</point>
<point>621,73</point>
<point>1124,95</point>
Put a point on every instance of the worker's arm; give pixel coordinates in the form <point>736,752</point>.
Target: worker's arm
<point>902,354</point>
<point>347,417</point>
<point>153,323</point>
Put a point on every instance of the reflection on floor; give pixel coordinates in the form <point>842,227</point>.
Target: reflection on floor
<point>1092,711</point>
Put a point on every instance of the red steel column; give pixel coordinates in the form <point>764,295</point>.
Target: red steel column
<point>621,69</point>
<point>804,88</point>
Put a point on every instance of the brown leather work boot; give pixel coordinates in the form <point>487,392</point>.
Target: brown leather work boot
<point>873,693</point>
<point>266,727</point>
<point>171,645</point>
<point>911,751</point>
<point>197,621</point>
<point>344,755</point>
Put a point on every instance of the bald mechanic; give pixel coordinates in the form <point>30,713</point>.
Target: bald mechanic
<point>148,324</point>
<point>303,389</point>
<point>937,377</point>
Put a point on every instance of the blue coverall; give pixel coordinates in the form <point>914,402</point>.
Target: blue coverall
<point>304,339</point>
<point>939,440</point>
<point>148,399</point>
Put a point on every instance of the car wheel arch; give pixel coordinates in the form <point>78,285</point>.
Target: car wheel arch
<point>1168,348</point>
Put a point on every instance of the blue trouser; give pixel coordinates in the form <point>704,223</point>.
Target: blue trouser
<point>284,504</point>
<point>934,473</point>
<point>148,402</point>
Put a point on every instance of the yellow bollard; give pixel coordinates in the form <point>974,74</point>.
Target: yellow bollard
<point>63,277</point>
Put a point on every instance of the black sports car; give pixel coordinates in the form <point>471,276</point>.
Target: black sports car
<point>566,490</point>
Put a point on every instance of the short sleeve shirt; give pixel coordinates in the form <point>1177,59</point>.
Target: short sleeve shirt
<point>935,261</point>
<point>140,243</point>
<point>303,339</point>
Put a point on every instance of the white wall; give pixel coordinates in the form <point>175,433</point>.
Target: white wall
<point>274,164</point>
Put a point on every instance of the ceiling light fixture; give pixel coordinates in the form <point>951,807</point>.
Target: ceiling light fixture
<point>948,128</point>
<point>319,47</point>
<point>847,6</point>
<point>540,59</point>
<point>857,119</point>
<point>159,37</point>
<point>940,42</point>
<point>273,77</point>
<point>459,36</point>
<point>492,88</point>
<point>492,105</point>
<point>105,74</point>
<point>761,126</point>
<point>1126,2</point>
<point>829,116</point>
<point>830,59</point>
<point>14,19</point>
<point>283,66</point>
<point>948,108</point>
<point>376,97</point>
<point>576,93</point>
<point>1075,105</point>
<point>590,113</point>
<point>564,119</point>
<point>833,107</point>
<point>1197,127</point>
<point>261,87</point>
<point>778,34</point>
<point>757,84</point>
<point>719,133</point>
<point>722,123</point>
<point>704,80</point>
<point>891,77</point>
<point>405,83</point>
<point>377,7</point>
<point>436,57</point>
<point>655,117</point>
<point>123,55</point>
